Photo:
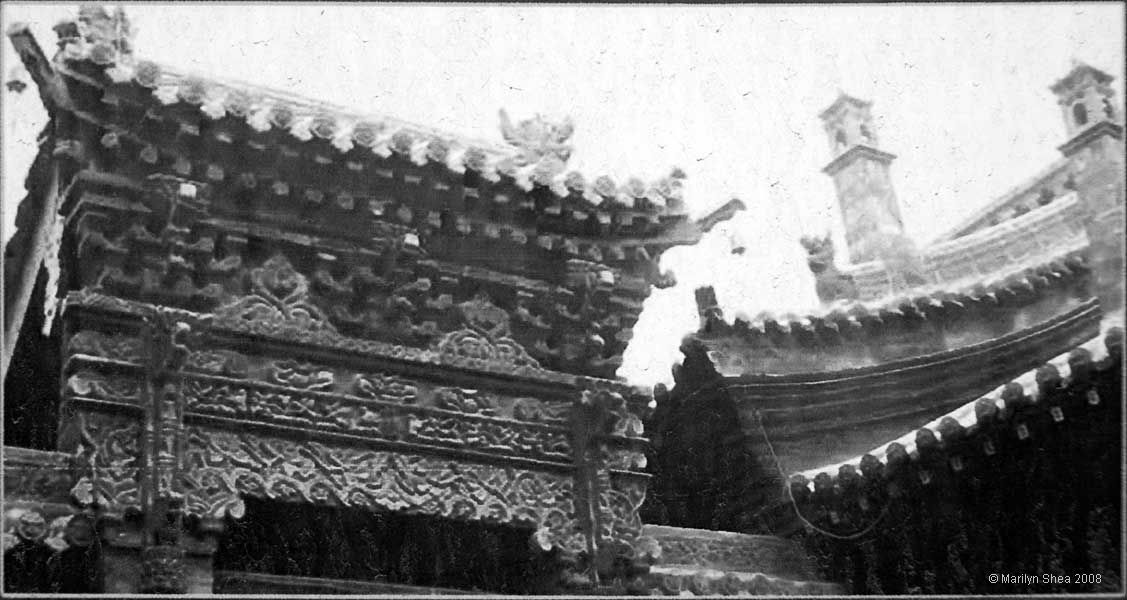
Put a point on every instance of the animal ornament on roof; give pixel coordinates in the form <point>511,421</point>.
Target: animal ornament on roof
<point>830,283</point>
<point>538,138</point>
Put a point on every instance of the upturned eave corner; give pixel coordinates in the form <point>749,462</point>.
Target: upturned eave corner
<point>724,213</point>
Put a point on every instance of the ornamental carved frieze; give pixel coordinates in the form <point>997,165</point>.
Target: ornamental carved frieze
<point>224,465</point>
<point>474,348</point>
<point>107,458</point>
<point>113,346</point>
<point>106,386</point>
<point>389,388</point>
<point>452,417</point>
<point>217,362</point>
<point>278,301</point>
<point>301,375</point>
<point>383,294</point>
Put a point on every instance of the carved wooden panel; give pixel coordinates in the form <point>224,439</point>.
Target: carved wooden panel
<point>223,465</point>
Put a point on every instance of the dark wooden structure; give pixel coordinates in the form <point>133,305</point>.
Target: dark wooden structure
<point>267,303</point>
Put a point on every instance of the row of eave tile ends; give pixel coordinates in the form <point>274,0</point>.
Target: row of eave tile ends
<point>265,109</point>
<point>967,415</point>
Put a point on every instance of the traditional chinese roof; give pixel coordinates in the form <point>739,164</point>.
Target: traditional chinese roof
<point>861,334</point>
<point>392,225</point>
<point>220,131</point>
<point>1043,188</point>
<point>1072,391</point>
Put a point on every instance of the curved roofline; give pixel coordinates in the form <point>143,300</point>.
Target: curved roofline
<point>967,414</point>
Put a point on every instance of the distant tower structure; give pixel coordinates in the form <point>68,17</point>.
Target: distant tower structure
<point>1094,122</point>
<point>860,170</point>
<point>1086,99</point>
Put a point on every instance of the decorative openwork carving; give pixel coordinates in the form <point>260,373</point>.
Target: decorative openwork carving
<point>223,465</point>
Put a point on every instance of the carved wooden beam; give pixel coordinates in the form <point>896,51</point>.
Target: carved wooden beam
<point>53,93</point>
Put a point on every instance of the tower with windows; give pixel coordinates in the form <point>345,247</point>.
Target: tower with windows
<point>1094,123</point>
<point>874,229</point>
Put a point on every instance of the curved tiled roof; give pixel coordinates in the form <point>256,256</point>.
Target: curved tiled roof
<point>1028,391</point>
<point>875,318</point>
<point>537,160</point>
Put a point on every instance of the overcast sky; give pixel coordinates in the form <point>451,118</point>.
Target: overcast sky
<point>729,93</point>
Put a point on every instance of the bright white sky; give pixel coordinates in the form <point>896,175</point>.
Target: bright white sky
<point>729,93</point>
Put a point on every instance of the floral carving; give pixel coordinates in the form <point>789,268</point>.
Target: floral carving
<point>333,340</point>
<point>279,300</point>
<point>306,376</point>
<point>485,316</point>
<point>95,343</point>
<point>534,410</point>
<point>103,386</point>
<point>394,420</point>
<point>385,387</point>
<point>464,400</point>
<point>108,459</point>
<point>224,465</point>
<point>218,362</point>
<point>475,348</point>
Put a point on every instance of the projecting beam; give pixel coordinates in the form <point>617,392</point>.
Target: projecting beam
<point>44,200</point>
<point>52,91</point>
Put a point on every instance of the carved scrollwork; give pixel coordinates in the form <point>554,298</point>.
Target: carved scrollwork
<point>306,376</point>
<point>95,343</point>
<point>540,411</point>
<point>474,348</point>
<point>279,301</point>
<point>224,465</point>
<point>385,387</point>
<point>104,386</point>
<point>382,420</point>
<point>481,314</point>
<point>109,459</point>
<point>465,400</point>
<point>510,358</point>
<point>218,362</point>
